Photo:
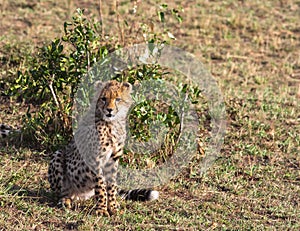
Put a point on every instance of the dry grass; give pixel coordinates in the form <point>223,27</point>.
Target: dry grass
<point>252,49</point>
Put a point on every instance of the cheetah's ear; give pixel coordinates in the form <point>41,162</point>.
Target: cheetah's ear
<point>127,87</point>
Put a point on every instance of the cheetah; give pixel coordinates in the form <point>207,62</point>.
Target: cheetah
<point>87,166</point>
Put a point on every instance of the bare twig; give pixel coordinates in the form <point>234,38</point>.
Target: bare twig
<point>88,59</point>
<point>101,18</point>
<point>56,100</point>
<point>121,32</point>
<point>182,118</point>
<point>53,94</point>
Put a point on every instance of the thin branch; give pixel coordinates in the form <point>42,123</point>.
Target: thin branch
<point>101,19</point>
<point>53,94</point>
<point>88,59</point>
<point>121,33</point>
<point>56,100</point>
<point>182,118</point>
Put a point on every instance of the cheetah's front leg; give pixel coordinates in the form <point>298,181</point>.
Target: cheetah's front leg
<point>110,172</point>
<point>101,196</point>
<point>113,205</point>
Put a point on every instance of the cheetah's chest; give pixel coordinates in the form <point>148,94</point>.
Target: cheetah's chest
<point>96,153</point>
<point>111,140</point>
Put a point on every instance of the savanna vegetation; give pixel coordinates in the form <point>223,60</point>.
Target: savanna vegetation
<point>251,49</point>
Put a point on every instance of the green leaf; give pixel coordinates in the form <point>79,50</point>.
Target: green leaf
<point>164,5</point>
<point>179,18</point>
<point>60,48</point>
<point>161,16</point>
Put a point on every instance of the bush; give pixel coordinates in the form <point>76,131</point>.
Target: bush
<point>50,81</point>
<point>52,76</point>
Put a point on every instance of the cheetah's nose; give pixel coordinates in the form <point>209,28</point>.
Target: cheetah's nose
<point>109,110</point>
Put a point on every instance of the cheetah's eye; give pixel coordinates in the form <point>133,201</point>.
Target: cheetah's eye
<point>103,99</point>
<point>118,99</point>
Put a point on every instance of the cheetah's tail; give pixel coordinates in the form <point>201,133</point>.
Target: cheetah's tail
<point>139,194</point>
<point>5,130</point>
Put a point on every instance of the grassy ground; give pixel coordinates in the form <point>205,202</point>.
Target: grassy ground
<point>252,49</point>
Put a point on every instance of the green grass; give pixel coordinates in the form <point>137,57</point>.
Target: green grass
<point>252,49</point>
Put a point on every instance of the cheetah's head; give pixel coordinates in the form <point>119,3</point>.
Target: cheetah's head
<point>114,100</point>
